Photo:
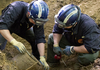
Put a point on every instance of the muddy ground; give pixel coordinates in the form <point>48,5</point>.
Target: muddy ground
<point>89,7</point>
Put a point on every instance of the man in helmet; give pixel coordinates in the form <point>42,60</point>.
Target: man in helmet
<point>75,32</point>
<point>27,21</point>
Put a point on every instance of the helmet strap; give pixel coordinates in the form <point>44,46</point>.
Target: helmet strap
<point>74,25</point>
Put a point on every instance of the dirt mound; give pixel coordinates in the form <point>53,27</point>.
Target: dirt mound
<point>89,7</point>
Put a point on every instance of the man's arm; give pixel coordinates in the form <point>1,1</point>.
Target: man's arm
<point>80,49</point>
<point>41,48</point>
<point>56,48</point>
<point>40,41</point>
<point>6,34</point>
<point>57,38</point>
<point>71,49</point>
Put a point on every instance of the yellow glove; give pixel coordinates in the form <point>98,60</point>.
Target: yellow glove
<point>44,63</point>
<point>18,45</point>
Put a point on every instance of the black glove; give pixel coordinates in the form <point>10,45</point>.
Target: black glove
<point>57,50</point>
<point>68,50</point>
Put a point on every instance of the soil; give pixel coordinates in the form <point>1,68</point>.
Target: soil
<point>89,7</point>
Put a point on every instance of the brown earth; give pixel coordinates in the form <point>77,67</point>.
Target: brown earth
<point>89,7</point>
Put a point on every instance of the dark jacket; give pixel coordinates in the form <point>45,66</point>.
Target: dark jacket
<point>86,32</point>
<point>14,19</point>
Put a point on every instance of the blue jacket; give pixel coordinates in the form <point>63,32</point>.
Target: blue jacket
<point>14,19</point>
<point>86,32</point>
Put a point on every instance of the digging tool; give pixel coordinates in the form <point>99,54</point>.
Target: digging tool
<point>33,57</point>
<point>64,62</point>
<point>58,57</point>
<point>25,61</point>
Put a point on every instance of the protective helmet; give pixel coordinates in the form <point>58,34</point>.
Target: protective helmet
<point>68,15</point>
<point>39,11</point>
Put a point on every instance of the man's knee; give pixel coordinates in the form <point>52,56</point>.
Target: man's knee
<point>3,42</point>
<point>2,45</point>
<point>86,59</point>
<point>50,38</point>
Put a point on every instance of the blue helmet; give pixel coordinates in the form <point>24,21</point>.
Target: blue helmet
<point>39,11</point>
<point>68,15</point>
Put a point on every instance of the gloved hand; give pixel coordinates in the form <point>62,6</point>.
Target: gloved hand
<point>57,50</point>
<point>68,50</point>
<point>18,45</point>
<point>44,63</point>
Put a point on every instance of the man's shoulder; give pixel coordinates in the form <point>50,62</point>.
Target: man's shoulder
<point>87,21</point>
<point>85,17</point>
<point>19,4</point>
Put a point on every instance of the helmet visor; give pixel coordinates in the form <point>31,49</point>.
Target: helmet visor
<point>61,24</point>
<point>38,21</point>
